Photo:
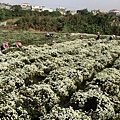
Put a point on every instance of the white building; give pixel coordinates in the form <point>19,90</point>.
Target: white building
<point>49,9</point>
<point>36,8</point>
<point>61,9</point>
<point>5,6</point>
<point>25,6</point>
<point>114,11</point>
<point>41,8</point>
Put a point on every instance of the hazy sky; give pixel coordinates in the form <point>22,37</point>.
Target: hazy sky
<point>103,5</point>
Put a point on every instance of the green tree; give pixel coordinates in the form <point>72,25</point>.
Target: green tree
<point>16,8</point>
<point>83,12</point>
<point>2,15</point>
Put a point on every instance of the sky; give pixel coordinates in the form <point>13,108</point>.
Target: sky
<point>103,5</point>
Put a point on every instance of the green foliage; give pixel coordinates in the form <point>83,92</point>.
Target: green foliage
<point>4,14</point>
<point>16,8</point>
<point>84,21</point>
<point>83,12</point>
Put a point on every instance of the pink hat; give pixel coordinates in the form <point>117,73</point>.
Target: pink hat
<point>5,45</point>
<point>18,44</point>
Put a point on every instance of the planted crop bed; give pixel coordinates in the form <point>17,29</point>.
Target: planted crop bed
<point>70,80</point>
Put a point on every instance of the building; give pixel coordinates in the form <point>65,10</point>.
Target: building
<point>95,12</point>
<point>61,9</point>
<point>5,6</point>
<point>48,9</point>
<point>41,8</point>
<point>71,12</point>
<point>26,6</point>
<point>36,8</point>
<point>114,11</point>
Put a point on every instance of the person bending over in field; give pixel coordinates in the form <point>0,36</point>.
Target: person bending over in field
<point>98,36</point>
<point>112,37</point>
<point>17,44</point>
<point>81,37</point>
<point>4,46</point>
<point>53,42</point>
<point>48,35</point>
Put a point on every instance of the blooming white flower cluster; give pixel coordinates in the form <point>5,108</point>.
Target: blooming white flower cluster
<point>76,79</point>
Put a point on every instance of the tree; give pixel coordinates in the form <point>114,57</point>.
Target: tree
<point>83,12</point>
<point>2,14</point>
<point>16,8</point>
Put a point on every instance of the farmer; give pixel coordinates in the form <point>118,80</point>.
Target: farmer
<point>81,37</point>
<point>4,46</point>
<point>98,36</point>
<point>53,42</point>
<point>112,37</point>
<point>47,34</point>
<point>18,44</point>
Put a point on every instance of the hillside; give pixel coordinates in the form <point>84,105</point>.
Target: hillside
<point>71,80</point>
